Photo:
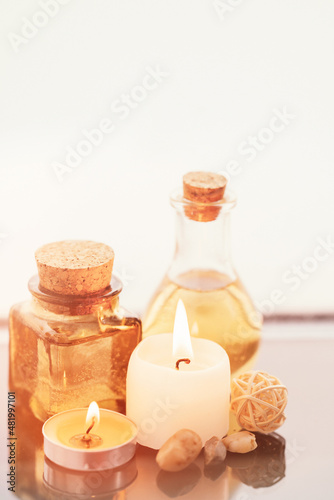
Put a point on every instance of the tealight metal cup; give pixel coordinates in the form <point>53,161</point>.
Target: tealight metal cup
<point>91,459</point>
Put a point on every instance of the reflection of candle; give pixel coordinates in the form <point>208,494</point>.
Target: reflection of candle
<point>162,399</point>
<point>73,484</point>
<point>70,439</point>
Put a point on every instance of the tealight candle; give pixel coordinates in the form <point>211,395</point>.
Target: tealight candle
<point>89,440</point>
<point>174,382</point>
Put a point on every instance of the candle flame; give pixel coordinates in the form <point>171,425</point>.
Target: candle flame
<point>182,347</point>
<point>93,415</point>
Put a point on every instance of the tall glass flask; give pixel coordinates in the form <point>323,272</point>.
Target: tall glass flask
<point>202,274</point>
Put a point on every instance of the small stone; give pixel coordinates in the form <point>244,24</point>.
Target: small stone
<point>240,442</point>
<point>214,451</point>
<point>179,451</point>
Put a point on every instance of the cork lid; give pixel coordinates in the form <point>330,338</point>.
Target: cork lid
<point>203,188</point>
<point>74,267</point>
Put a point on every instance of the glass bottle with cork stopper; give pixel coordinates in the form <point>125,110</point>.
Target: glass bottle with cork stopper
<point>202,274</point>
<point>72,342</point>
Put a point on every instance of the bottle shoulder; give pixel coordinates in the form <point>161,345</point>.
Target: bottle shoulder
<point>63,329</point>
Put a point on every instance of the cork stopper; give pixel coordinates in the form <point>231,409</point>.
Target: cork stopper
<point>204,189</point>
<point>74,267</point>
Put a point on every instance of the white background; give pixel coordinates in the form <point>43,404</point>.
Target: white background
<point>227,73</point>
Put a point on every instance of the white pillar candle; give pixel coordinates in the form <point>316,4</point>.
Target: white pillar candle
<point>162,399</point>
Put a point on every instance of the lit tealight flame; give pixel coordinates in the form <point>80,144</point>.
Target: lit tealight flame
<point>88,439</point>
<point>93,416</point>
<point>182,348</point>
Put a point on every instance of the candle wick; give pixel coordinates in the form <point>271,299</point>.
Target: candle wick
<point>182,360</point>
<point>90,428</point>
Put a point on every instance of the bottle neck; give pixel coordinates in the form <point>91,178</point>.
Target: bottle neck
<point>106,300</point>
<point>202,256</point>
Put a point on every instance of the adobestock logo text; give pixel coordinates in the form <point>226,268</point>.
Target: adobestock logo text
<point>258,142</point>
<point>30,27</point>
<point>225,7</point>
<point>296,274</point>
<point>121,108</point>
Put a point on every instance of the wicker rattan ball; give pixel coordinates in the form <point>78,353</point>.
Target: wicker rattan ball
<point>258,401</point>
